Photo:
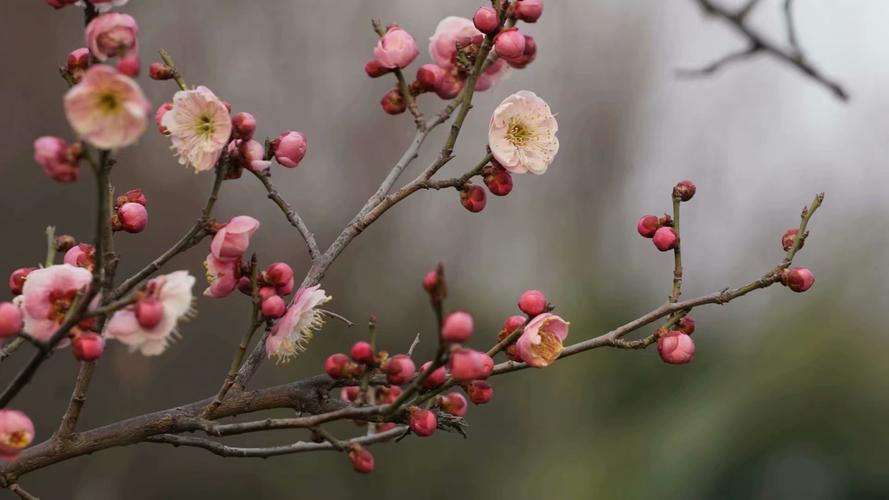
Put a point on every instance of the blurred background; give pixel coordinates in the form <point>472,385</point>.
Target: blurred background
<point>786,397</point>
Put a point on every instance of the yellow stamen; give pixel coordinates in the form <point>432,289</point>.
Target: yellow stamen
<point>517,133</point>
<point>549,347</point>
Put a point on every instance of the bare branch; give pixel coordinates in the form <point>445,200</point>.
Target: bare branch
<point>291,214</point>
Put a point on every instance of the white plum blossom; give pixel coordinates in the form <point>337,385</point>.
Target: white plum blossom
<point>522,134</point>
<point>294,330</point>
<point>200,126</point>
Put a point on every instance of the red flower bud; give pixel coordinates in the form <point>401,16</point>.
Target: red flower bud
<point>243,126</point>
<point>88,346</point>
<point>436,378</point>
<point>453,403</point>
<point>684,190</point>
<point>686,325</point>
<point>498,180</point>
<point>457,327</point>
<point>362,352</point>
<point>468,364</point>
<point>472,198</point>
<point>799,279</point>
<point>129,65</point>
<point>273,307</point>
<point>17,279</point>
<point>279,275</point>
<point>350,393</point>
<point>486,20</point>
<point>362,460</point>
<point>528,10</point>
<point>160,71</point>
<point>10,320</point>
<point>430,76</point>
<point>509,43</point>
<point>374,69</point>
<point>336,365</point>
<point>665,239</point>
<point>479,391</point>
<point>648,225</point>
<point>676,348</point>
<point>149,312</point>
<point>789,237</point>
<point>393,102</point>
<point>532,303</point>
<point>400,369</point>
<point>132,217</point>
<point>422,422</point>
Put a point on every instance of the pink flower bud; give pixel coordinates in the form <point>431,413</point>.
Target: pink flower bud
<point>436,378</point>
<point>388,395</point>
<point>789,237</point>
<point>648,225</point>
<point>160,71</point>
<point>362,352</point>
<point>686,325</point>
<point>290,148</point>
<point>250,154</point>
<point>17,279</point>
<point>243,126</point>
<point>279,274</point>
<point>88,346</point>
<point>361,459</point>
<point>400,369</point>
<point>479,391</point>
<point>149,312</point>
<point>457,327</point>
<point>82,255</point>
<point>52,153</point>
<point>486,20</point>
<point>374,69</point>
<point>112,34</point>
<point>676,348</point>
<point>528,55</point>
<point>396,49</point>
<point>430,281</point>
<point>266,292</point>
<point>336,365</point>
<point>498,180</point>
<point>273,307</point>
<point>232,240</point>
<point>132,196</point>
<point>77,63</point>
<point>10,320</point>
<point>159,116</point>
<point>422,422</point>
<point>16,431</point>
<point>430,76</point>
<point>799,279</point>
<point>684,190</point>
<point>467,364</point>
<point>133,217</point>
<point>393,102</point>
<point>512,324</point>
<point>528,10</point>
<point>350,393</point>
<point>450,86</point>
<point>509,43</point>
<point>532,303</point>
<point>472,198</point>
<point>453,403</point>
<point>129,65</point>
<point>665,239</point>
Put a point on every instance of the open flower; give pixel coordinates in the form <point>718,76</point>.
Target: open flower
<point>396,48</point>
<point>294,330</point>
<point>16,433</point>
<point>112,35</point>
<point>200,126</point>
<point>522,134</point>
<point>173,292</point>
<point>443,50</point>
<point>541,342</point>
<point>47,296</point>
<point>107,108</point>
<point>222,276</point>
<point>232,240</point>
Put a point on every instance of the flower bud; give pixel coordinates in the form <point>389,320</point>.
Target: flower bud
<point>82,255</point>
<point>532,303</point>
<point>17,279</point>
<point>396,48</point>
<point>430,76</point>
<point>266,292</point>
<point>400,369</point>
<point>430,281</point>
<point>684,190</point>
<point>279,275</point>
<point>362,352</point>
<point>528,55</point>
<point>290,148</point>
<point>54,156</point>
<point>472,198</point>
<point>789,238</point>
<point>133,217</point>
<point>336,365</point>
<point>528,10</point>
<point>388,395</point>
<point>498,180</point>
<point>159,116</point>
<point>149,312</point>
<point>436,378</point>
<point>422,422</point>
<point>160,71</point>
<point>273,307</point>
<point>77,63</point>
<point>648,225</point>
<point>17,431</point>
<point>10,320</point>
<point>374,69</point>
<point>362,460</point>
<point>453,403</point>
<point>479,391</point>
<point>243,126</point>
<point>676,348</point>
<point>350,393</point>
<point>457,327</point>
<point>129,65</point>
<point>665,239</point>
<point>468,364</point>
<point>449,87</point>
<point>111,35</point>
<point>88,346</point>
<point>686,325</point>
<point>486,20</point>
<point>393,102</point>
<point>799,279</point>
<point>509,43</point>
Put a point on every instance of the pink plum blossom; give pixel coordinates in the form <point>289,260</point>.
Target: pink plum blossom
<point>443,51</point>
<point>16,433</point>
<point>54,155</point>
<point>295,329</point>
<point>47,296</point>
<point>541,341</point>
<point>676,348</point>
<point>173,291</point>
<point>112,35</point>
<point>522,134</point>
<point>107,108</point>
<point>200,126</point>
<point>232,240</point>
<point>222,276</point>
<point>396,49</point>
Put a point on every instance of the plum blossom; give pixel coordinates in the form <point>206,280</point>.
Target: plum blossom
<point>396,49</point>
<point>522,134</point>
<point>541,341</point>
<point>16,433</point>
<point>174,293</point>
<point>200,126</point>
<point>222,276</point>
<point>112,35</point>
<point>107,109</point>
<point>232,240</point>
<point>295,329</point>
<point>47,296</point>
<point>58,160</point>
<point>443,50</point>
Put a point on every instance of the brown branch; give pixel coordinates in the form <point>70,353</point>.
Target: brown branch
<point>292,216</point>
<point>21,492</point>
<point>78,399</point>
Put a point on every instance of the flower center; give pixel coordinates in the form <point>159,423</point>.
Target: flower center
<point>18,439</point>
<point>204,126</point>
<point>61,301</point>
<point>517,133</point>
<point>549,347</point>
<point>109,102</point>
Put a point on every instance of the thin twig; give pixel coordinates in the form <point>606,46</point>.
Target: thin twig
<point>292,216</point>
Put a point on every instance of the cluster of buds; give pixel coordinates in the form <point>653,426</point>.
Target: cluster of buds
<point>274,283</point>
<point>59,160</point>
<point>496,178</point>
<point>660,229</point>
<point>115,35</point>
<point>130,214</point>
<point>798,279</point>
<point>676,346</point>
<point>223,265</point>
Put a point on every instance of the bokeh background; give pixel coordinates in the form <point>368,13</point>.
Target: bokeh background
<point>787,395</point>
